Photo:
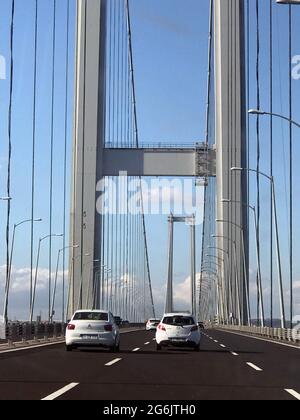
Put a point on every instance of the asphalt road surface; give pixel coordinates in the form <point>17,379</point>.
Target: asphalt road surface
<point>229,367</point>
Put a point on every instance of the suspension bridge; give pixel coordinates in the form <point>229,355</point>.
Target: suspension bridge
<point>85,157</point>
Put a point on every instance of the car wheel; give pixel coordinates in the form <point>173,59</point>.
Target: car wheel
<point>69,348</point>
<point>158,347</point>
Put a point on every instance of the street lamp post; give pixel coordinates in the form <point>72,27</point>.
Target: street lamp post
<point>93,275</point>
<point>220,290</point>
<point>71,284</point>
<point>226,304</point>
<point>211,272</point>
<point>243,246</point>
<point>257,256</point>
<point>281,295</point>
<point>55,284</point>
<point>296,124</point>
<point>237,283</point>
<point>81,282</point>
<point>8,280</point>
<point>238,309</point>
<point>273,114</point>
<point>224,296</point>
<point>36,275</point>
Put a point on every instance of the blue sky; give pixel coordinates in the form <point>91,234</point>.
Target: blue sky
<point>170,53</point>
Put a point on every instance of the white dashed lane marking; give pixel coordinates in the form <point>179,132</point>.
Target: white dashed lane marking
<point>60,392</point>
<point>113,362</point>
<point>293,393</point>
<point>135,350</point>
<point>254,367</point>
<point>234,354</point>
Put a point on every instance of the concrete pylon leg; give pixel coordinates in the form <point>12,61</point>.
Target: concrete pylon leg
<point>88,143</point>
<point>169,299</point>
<point>231,144</point>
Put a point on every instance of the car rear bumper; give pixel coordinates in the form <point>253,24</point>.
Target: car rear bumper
<point>78,341</point>
<point>177,343</point>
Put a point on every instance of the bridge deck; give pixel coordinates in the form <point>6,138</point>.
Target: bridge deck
<point>214,373</point>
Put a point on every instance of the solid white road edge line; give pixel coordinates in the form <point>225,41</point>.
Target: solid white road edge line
<point>266,340</point>
<point>60,392</point>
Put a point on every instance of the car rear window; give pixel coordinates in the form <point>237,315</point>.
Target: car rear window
<point>178,320</point>
<point>91,316</point>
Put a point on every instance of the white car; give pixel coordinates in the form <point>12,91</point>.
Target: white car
<point>178,330</point>
<point>92,328</point>
<point>152,324</point>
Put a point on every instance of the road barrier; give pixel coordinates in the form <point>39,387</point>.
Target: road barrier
<point>277,334</point>
<point>23,334</point>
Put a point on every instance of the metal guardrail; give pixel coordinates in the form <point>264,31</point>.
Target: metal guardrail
<point>23,333</point>
<point>159,145</point>
<point>277,334</point>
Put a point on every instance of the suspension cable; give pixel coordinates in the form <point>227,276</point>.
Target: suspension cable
<point>137,145</point>
<point>271,162</point>
<point>65,156</point>
<point>11,86</point>
<point>291,164</point>
<point>258,134</point>
<point>33,150</point>
<point>208,107</point>
<point>51,157</point>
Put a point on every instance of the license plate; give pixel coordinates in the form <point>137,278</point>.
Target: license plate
<point>179,340</point>
<point>89,337</point>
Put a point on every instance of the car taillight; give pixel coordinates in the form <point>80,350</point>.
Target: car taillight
<point>71,327</point>
<point>108,328</point>
<point>195,328</point>
<point>161,327</point>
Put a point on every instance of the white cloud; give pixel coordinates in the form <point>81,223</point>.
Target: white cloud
<point>20,279</point>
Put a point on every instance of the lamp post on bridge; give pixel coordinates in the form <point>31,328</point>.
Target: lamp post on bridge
<point>281,295</point>
<point>243,249</point>
<point>237,285</point>
<point>7,285</point>
<point>54,235</point>
<point>257,256</point>
<point>238,308</point>
<point>79,305</point>
<point>71,282</point>
<point>227,304</point>
<point>212,272</point>
<point>296,124</point>
<point>273,114</point>
<point>8,280</point>
<point>55,284</point>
